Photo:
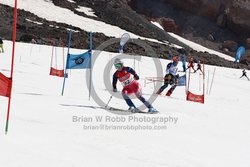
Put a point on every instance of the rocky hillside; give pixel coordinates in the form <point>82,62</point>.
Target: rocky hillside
<point>222,25</point>
<point>129,15</point>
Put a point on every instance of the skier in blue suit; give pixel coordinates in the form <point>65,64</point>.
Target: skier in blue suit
<point>171,77</point>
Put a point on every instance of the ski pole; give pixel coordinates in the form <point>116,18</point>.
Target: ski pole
<point>108,101</point>
<point>212,82</point>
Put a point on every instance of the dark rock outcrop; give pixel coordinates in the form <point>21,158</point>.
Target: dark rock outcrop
<point>207,22</point>
<point>230,45</point>
<point>234,13</point>
<point>248,43</point>
<point>238,14</point>
<point>169,25</point>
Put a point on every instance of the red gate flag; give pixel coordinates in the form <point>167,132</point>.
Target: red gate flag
<point>5,85</point>
<point>195,98</point>
<point>56,72</point>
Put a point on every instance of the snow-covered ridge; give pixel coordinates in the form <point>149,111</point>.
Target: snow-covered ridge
<point>36,22</point>
<point>50,12</point>
<point>157,24</point>
<point>86,10</point>
<point>196,46</point>
<point>71,1</point>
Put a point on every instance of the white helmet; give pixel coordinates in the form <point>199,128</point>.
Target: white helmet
<point>118,61</point>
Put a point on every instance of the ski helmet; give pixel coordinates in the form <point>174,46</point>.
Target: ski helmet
<point>175,59</point>
<point>118,63</point>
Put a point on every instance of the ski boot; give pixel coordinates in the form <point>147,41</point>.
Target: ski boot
<point>132,109</point>
<point>152,110</point>
<point>168,93</point>
<point>158,92</point>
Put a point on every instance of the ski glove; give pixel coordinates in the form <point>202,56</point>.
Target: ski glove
<point>136,77</point>
<point>114,90</point>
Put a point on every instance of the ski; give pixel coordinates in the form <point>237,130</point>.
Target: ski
<point>136,110</point>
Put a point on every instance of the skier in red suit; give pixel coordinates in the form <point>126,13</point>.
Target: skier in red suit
<point>128,78</point>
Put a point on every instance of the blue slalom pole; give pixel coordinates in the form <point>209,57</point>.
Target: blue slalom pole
<point>184,63</point>
<point>90,77</point>
<point>185,70</point>
<point>65,70</point>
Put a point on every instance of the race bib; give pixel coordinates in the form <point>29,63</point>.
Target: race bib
<point>128,81</point>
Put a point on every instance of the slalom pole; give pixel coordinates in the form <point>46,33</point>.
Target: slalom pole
<point>65,74</point>
<point>207,80</point>
<point>212,82</point>
<point>52,56</point>
<point>55,53</point>
<point>188,80</point>
<point>90,77</point>
<point>184,56</point>
<point>185,62</point>
<point>65,71</point>
<point>200,75</point>
<point>12,65</point>
<point>63,55</point>
<point>203,80</point>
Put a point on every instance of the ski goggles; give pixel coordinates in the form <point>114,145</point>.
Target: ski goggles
<point>118,65</point>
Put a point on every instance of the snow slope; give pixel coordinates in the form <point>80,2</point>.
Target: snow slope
<point>42,130</point>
